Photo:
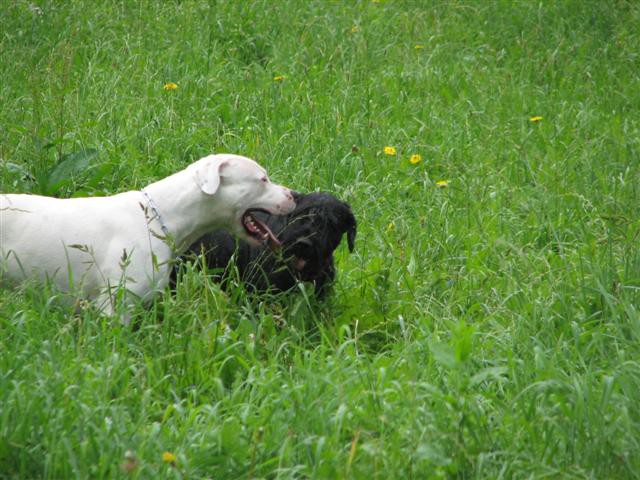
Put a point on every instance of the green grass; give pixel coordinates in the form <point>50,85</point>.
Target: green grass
<point>486,330</point>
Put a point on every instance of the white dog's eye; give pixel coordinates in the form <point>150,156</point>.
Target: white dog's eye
<point>264,179</point>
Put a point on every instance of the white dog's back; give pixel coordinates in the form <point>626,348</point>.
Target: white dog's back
<point>80,238</point>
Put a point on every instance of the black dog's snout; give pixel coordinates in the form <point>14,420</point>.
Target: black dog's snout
<point>297,196</point>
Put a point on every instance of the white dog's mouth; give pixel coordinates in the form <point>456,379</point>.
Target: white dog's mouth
<point>258,230</point>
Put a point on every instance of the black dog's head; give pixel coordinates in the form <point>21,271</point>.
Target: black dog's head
<point>309,235</point>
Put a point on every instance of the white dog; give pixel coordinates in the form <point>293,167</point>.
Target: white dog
<point>92,245</point>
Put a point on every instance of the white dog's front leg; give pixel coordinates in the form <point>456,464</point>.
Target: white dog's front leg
<point>111,306</point>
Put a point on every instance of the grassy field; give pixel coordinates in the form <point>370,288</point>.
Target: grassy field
<point>485,327</point>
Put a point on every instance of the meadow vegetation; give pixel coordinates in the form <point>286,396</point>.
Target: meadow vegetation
<point>487,325</point>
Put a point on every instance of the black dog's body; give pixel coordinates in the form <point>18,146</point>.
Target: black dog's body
<point>309,236</point>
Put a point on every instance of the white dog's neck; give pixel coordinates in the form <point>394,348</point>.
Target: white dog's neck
<point>186,212</point>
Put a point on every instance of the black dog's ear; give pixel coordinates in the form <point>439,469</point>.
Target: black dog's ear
<point>351,236</point>
<point>349,225</point>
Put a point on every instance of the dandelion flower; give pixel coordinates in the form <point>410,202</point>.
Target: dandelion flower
<point>391,227</point>
<point>279,78</point>
<point>170,86</point>
<point>355,29</point>
<point>168,457</point>
<point>415,159</point>
<point>442,184</point>
<point>535,119</point>
<point>389,150</point>
<point>419,47</point>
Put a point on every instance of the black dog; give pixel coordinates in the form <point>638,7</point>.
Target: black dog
<point>309,236</point>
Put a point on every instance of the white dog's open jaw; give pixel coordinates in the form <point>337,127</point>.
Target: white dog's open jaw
<point>257,231</point>
<point>246,186</point>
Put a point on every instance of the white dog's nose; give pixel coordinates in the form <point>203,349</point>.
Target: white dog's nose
<point>289,195</point>
<point>290,201</point>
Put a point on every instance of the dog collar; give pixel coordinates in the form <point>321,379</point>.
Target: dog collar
<point>156,212</point>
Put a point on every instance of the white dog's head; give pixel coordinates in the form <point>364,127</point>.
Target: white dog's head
<point>242,186</point>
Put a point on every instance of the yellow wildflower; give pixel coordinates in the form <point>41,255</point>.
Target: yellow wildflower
<point>168,457</point>
<point>389,150</point>
<point>170,86</point>
<point>391,227</point>
<point>415,159</point>
<point>442,184</point>
<point>279,78</point>
<point>535,119</point>
<point>355,29</point>
<point>419,47</point>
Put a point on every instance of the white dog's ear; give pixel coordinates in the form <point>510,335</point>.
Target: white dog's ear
<point>207,173</point>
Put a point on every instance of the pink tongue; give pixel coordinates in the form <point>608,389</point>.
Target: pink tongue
<point>274,243</point>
